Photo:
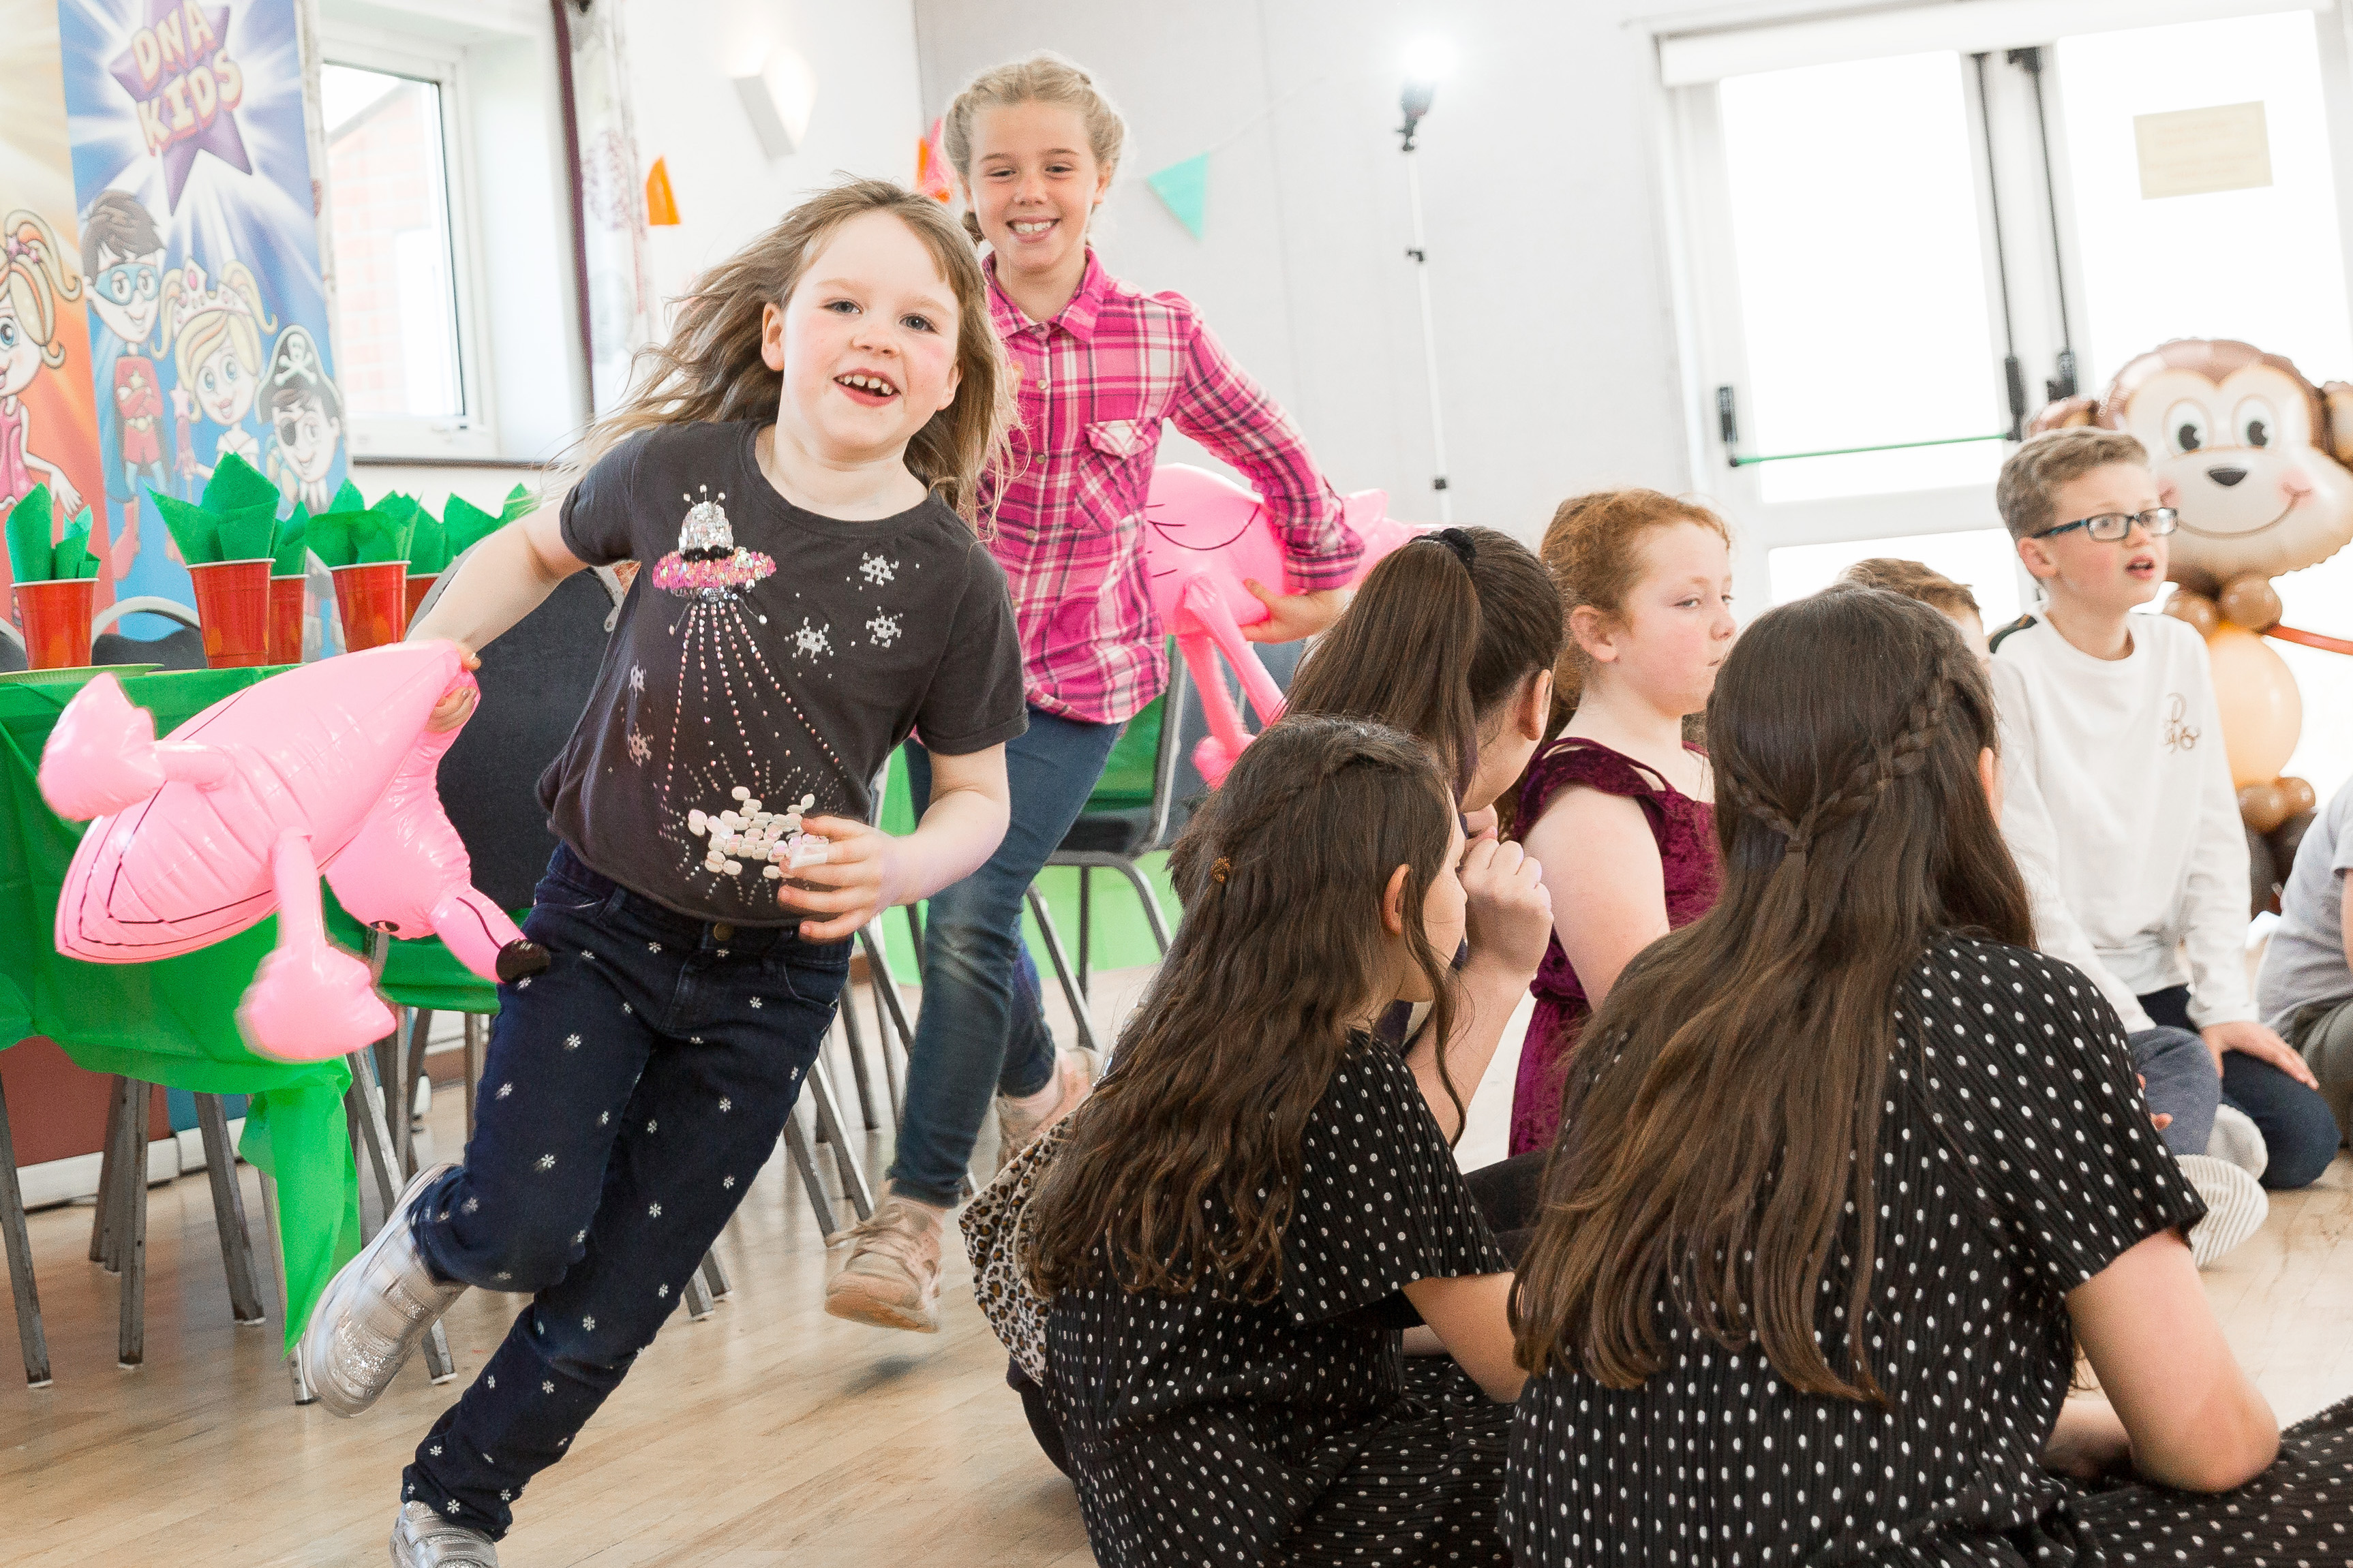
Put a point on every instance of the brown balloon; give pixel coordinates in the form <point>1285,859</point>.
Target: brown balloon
<point>2301,796</point>
<point>2250,602</point>
<point>2262,806</point>
<point>2194,608</point>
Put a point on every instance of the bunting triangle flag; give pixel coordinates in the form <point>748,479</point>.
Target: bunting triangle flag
<point>932,173</point>
<point>1184,188</point>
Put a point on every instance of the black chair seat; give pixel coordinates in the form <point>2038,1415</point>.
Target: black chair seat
<point>1124,832</point>
<point>181,649</point>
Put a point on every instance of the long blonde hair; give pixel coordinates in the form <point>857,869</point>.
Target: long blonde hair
<point>197,321</point>
<point>711,370</point>
<point>1044,77</point>
<point>36,277</point>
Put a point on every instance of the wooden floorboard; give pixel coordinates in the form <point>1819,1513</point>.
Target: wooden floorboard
<point>768,1433</point>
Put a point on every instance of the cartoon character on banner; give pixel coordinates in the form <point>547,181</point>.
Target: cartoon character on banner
<point>216,335</point>
<point>1204,535</point>
<point>123,259</point>
<point>33,279</point>
<point>328,768</point>
<point>2253,456</point>
<point>306,419</point>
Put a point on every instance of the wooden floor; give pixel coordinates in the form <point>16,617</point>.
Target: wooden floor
<point>767,1434</point>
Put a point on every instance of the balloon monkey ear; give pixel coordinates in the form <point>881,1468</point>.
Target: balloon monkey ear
<point>2068,412</point>
<point>2335,435</point>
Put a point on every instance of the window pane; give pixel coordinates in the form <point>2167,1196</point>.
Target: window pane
<point>1981,560</point>
<point>398,309</point>
<point>2266,263</point>
<point>1862,289</point>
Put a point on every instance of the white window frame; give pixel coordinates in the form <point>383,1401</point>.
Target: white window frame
<point>473,435</point>
<point>1701,242</point>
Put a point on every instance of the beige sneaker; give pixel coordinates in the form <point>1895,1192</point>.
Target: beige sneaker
<point>892,1278</point>
<point>1075,1076</point>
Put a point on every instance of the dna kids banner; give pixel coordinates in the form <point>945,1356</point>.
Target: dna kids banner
<point>48,427</point>
<point>208,329</point>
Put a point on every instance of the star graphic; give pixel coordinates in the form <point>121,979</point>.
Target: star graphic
<point>217,134</point>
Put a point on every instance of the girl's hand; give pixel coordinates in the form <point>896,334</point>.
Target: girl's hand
<point>2252,1039</point>
<point>1290,616</point>
<point>456,707</point>
<point>862,875</point>
<point>1510,908</point>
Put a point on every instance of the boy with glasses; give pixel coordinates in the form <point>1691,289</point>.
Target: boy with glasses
<point>2118,805</point>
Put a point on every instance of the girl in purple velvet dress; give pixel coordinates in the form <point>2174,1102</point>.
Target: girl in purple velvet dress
<point>1617,810</point>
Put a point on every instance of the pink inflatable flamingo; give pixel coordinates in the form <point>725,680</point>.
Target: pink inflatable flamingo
<point>1203,535</point>
<point>328,767</point>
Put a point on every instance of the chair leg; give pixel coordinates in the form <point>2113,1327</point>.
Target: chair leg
<point>916,931</point>
<point>130,1225</point>
<point>420,1021</point>
<point>30,1337</point>
<point>1086,926</point>
<point>362,1104</point>
<point>1150,898</point>
<point>886,997</point>
<point>796,1144</point>
<point>828,1122</point>
<point>303,1393</point>
<point>714,1274</point>
<point>1079,1014</point>
<point>860,1074</point>
<point>478,1050</point>
<point>229,1210</point>
<point>102,1224</point>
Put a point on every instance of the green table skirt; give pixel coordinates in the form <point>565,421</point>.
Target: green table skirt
<point>171,1023</point>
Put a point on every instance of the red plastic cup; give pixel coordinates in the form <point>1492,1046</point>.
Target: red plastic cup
<point>288,598</point>
<point>55,618</point>
<point>233,608</point>
<point>371,599</point>
<point>418,586</point>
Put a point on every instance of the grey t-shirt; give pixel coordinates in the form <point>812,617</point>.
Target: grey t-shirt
<point>764,664</point>
<point>2306,961</point>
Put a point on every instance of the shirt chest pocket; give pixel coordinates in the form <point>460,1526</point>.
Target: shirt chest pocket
<point>1113,473</point>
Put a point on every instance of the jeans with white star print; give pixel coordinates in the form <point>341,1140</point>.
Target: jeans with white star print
<point>632,1092</point>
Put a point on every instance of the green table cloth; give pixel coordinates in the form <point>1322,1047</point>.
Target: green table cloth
<point>174,1022</point>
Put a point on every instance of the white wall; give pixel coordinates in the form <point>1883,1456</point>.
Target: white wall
<point>867,117</point>
<point>1545,198</point>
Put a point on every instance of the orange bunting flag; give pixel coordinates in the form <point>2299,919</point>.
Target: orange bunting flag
<point>661,203</point>
<point>932,176</point>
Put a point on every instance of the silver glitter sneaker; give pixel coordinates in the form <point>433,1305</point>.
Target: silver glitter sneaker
<point>373,1315</point>
<point>423,1538</point>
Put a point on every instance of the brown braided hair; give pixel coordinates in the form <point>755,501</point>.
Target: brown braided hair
<point>1181,1167</point>
<point>1720,1125</point>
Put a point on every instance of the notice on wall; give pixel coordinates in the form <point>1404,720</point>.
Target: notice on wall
<point>200,239</point>
<point>2192,151</point>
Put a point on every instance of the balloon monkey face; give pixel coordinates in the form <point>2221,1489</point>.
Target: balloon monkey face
<point>2237,440</point>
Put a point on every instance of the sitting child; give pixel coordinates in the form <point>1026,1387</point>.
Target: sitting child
<point>2306,985</point>
<point>1257,1196</point>
<point>2118,803</point>
<point>1917,580</point>
<point>1848,1172</point>
<point>1452,640</point>
<point>1617,810</point>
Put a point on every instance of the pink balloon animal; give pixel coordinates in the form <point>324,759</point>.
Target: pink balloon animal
<point>327,767</point>
<point>1203,535</point>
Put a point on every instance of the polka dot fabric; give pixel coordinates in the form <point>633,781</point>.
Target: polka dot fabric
<point>1204,1429</point>
<point>2016,1161</point>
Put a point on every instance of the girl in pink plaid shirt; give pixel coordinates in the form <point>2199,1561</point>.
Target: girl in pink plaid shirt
<point>1101,366</point>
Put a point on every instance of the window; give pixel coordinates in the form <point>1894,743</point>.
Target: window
<point>410,374</point>
<point>1981,559</point>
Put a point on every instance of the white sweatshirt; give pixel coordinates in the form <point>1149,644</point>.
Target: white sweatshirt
<point>2119,806</point>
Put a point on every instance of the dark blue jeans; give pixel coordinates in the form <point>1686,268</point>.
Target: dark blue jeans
<point>982,1030</point>
<point>631,1094</point>
<point>2295,1121</point>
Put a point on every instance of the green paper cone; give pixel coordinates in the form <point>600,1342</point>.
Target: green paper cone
<point>72,553</point>
<point>29,555</point>
<point>238,485</point>
<point>429,547</point>
<point>465,525</point>
<point>519,502</point>
<point>195,531</point>
<point>380,535</point>
<point>293,544</point>
<point>330,537</point>
<point>348,499</point>
<point>247,534</point>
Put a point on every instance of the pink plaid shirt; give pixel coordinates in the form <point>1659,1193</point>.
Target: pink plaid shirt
<point>1096,382</point>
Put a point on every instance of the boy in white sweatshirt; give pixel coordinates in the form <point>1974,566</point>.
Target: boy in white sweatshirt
<point>2118,804</point>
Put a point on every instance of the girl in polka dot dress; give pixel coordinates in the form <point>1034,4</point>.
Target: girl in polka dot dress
<point>1256,1199</point>
<point>798,474</point>
<point>1846,1174</point>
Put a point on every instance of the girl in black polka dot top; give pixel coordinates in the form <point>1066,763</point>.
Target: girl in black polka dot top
<point>1256,1197</point>
<point>1847,1172</point>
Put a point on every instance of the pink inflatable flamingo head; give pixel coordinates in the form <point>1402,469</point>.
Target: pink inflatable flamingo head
<point>1204,535</point>
<point>329,767</point>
